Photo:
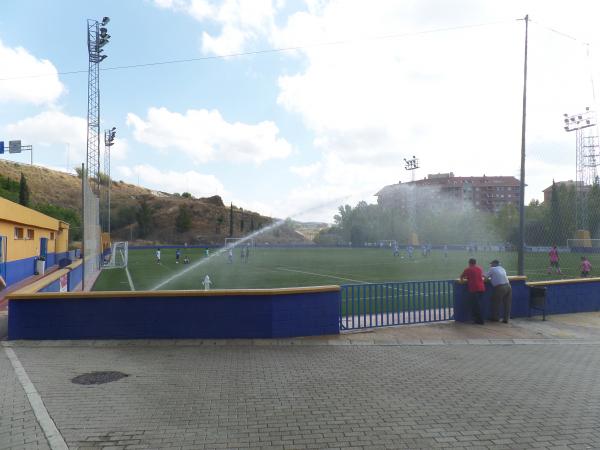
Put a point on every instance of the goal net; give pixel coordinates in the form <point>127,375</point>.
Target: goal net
<point>388,243</point>
<point>582,245</point>
<point>119,254</point>
<point>236,242</point>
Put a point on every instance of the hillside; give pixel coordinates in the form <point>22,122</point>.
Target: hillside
<point>205,220</point>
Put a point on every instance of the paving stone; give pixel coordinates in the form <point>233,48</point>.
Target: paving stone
<point>234,395</point>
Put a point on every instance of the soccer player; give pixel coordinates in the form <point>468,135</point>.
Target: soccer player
<point>247,254</point>
<point>554,260</point>
<point>230,257</point>
<point>177,255</point>
<point>445,251</point>
<point>586,267</point>
<point>396,250</point>
<point>158,256</point>
<point>410,249</point>
<point>186,260</point>
<point>207,252</point>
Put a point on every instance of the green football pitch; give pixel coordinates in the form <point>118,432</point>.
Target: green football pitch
<point>278,267</point>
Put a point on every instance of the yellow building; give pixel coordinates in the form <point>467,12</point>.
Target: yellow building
<point>26,235</point>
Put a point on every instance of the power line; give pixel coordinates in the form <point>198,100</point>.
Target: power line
<point>560,33</point>
<point>265,51</point>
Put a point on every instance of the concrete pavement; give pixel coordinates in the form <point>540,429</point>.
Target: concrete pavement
<point>441,386</point>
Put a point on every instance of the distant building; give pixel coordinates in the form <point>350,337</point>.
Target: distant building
<point>569,184</point>
<point>484,193</point>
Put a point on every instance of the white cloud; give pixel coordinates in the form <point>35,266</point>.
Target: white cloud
<point>205,136</point>
<point>241,21</point>
<point>453,99</point>
<point>51,129</point>
<point>119,150</point>
<point>19,80</point>
<point>198,184</point>
<point>306,171</point>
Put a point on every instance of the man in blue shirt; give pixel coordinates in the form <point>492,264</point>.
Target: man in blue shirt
<point>501,291</point>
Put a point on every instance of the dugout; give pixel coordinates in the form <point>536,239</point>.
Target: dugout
<point>27,235</point>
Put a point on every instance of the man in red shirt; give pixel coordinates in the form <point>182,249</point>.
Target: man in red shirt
<point>474,276</point>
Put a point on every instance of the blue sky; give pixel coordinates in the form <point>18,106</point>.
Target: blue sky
<point>297,133</point>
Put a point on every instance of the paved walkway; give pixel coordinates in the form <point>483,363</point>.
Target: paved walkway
<point>441,386</point>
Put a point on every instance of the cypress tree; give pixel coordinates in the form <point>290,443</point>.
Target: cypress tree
<point>231,220</point>
<point>23,191</point>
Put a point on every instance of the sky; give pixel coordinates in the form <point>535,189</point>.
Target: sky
<point>293,107</point>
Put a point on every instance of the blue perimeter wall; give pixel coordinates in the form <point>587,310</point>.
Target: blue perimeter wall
<point>142,316</point>
<point>23,268</point>
<point>568,296</point>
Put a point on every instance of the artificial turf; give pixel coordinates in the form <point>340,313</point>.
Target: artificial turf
<point>288,267</point>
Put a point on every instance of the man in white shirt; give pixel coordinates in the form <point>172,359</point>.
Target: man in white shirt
<point>501,291</point>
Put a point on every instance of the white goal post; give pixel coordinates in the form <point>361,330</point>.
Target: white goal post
<point>119,256</point>
<point>239,242</point>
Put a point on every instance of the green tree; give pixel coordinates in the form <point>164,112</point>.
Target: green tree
<point>218,224</point>
<point>554,228</point>
<point>122,217</point>
<point>145,219</point>
<point>231,220</point>
<point>186,195</point>
<point>23,191</point>
<point>183,221</point>
<point>68,215</point>
<point>594,210</point>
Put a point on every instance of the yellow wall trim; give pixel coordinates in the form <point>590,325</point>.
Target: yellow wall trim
<point>45,281</point>
<point>569,281</point>
<point>21,295</point>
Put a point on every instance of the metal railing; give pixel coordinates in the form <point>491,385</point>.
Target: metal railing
<point>385,304</point>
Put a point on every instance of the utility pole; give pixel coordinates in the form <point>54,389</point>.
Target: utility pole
<point>521,257</point>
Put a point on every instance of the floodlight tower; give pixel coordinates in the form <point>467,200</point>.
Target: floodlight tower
<point>412,165</point>
<point>109,140</point>
<point>97,38</point>
<point>587,159</point>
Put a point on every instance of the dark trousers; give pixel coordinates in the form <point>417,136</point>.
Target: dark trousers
<point>501,296</point>
<point>475,301</point>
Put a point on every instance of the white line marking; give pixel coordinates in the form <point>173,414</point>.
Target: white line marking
<point>53,436</point>
<point>131,286</point>
<point>321,275</point>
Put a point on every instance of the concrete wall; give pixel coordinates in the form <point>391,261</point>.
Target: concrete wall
<point>271,313</point>
<point>562,297</point>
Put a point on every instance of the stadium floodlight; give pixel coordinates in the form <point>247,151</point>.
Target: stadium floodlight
<point>97,38</point>
<point>587,158</point>
<point>109,140</point>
